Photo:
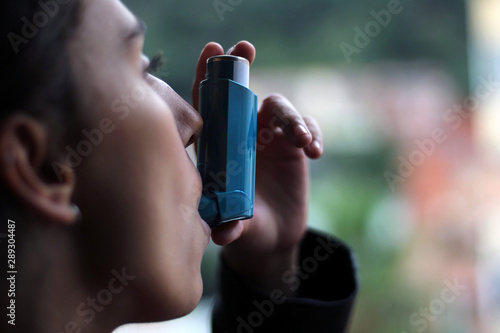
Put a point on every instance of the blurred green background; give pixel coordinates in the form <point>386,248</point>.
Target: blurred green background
<point>300,33</point>
<point>350,197</point>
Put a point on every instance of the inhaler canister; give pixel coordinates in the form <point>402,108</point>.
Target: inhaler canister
<point>227,144</point>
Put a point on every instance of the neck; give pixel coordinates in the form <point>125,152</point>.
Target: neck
<point>51,289</point>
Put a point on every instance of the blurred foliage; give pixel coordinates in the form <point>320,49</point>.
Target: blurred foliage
<point>346,187</point>
<point>299,33</point>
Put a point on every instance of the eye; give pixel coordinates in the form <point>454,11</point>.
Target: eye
<point>151,66</point>
<point>145,64</point>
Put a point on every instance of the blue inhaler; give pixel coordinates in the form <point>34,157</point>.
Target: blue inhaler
<point>227,145</point>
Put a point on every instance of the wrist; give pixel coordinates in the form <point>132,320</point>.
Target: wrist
<point>274,271</point>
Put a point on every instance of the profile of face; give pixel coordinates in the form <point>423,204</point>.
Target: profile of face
<point>130,174</point>
<point>138,248</point>
<point>138,191</point>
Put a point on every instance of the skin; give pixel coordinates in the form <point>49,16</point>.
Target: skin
<point>138,191</point>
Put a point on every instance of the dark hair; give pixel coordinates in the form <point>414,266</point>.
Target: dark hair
<point>36,77</point>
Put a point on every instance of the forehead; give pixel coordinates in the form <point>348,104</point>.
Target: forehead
<point>101,57</point>
<point>104,23</point>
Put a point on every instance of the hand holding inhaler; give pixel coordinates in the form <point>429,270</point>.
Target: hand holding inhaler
<point>227,145</point>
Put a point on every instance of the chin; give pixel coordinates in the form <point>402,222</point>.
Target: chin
<point>173,303</point>
<point>190,300</point>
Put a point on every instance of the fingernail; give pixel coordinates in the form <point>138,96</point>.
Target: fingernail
<point>300,130</point>
<point>231,49</point>
<point>316,144</point>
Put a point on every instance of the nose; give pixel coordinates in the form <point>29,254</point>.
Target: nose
<point>188,121</point>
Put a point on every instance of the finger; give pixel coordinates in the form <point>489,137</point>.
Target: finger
<point>243,49</point>
<point>227,233</point>
<point>210,50</point>
<point>277,111</point>
<point>315,148</point>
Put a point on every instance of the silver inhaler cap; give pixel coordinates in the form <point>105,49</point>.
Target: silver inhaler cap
<point>229,67</point>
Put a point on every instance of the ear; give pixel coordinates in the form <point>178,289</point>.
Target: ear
<point>23,161</point>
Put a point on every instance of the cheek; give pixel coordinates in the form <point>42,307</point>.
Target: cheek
<point>143,190</point>
<point>174,241</point>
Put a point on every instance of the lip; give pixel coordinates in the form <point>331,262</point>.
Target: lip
<point>206,227</point>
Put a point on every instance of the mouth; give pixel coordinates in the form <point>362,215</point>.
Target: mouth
<point>206,228</point>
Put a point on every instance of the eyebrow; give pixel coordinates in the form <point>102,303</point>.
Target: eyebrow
<point>139,29</point>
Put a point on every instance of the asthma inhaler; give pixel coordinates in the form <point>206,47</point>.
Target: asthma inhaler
<point>227,145</point>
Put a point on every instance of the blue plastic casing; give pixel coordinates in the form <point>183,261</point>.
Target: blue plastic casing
<point>227,144</point>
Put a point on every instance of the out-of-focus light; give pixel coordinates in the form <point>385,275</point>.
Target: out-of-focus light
<point>485,20</point>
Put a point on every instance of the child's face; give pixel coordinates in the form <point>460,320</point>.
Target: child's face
<point>138,190</point>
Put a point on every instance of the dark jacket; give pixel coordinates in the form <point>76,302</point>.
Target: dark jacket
<point>325,284</point>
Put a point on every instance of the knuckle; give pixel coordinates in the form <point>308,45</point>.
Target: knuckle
<point>309,119</point>
<point>274,98</point>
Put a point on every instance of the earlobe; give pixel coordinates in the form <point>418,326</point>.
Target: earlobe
<point>24,147</point>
